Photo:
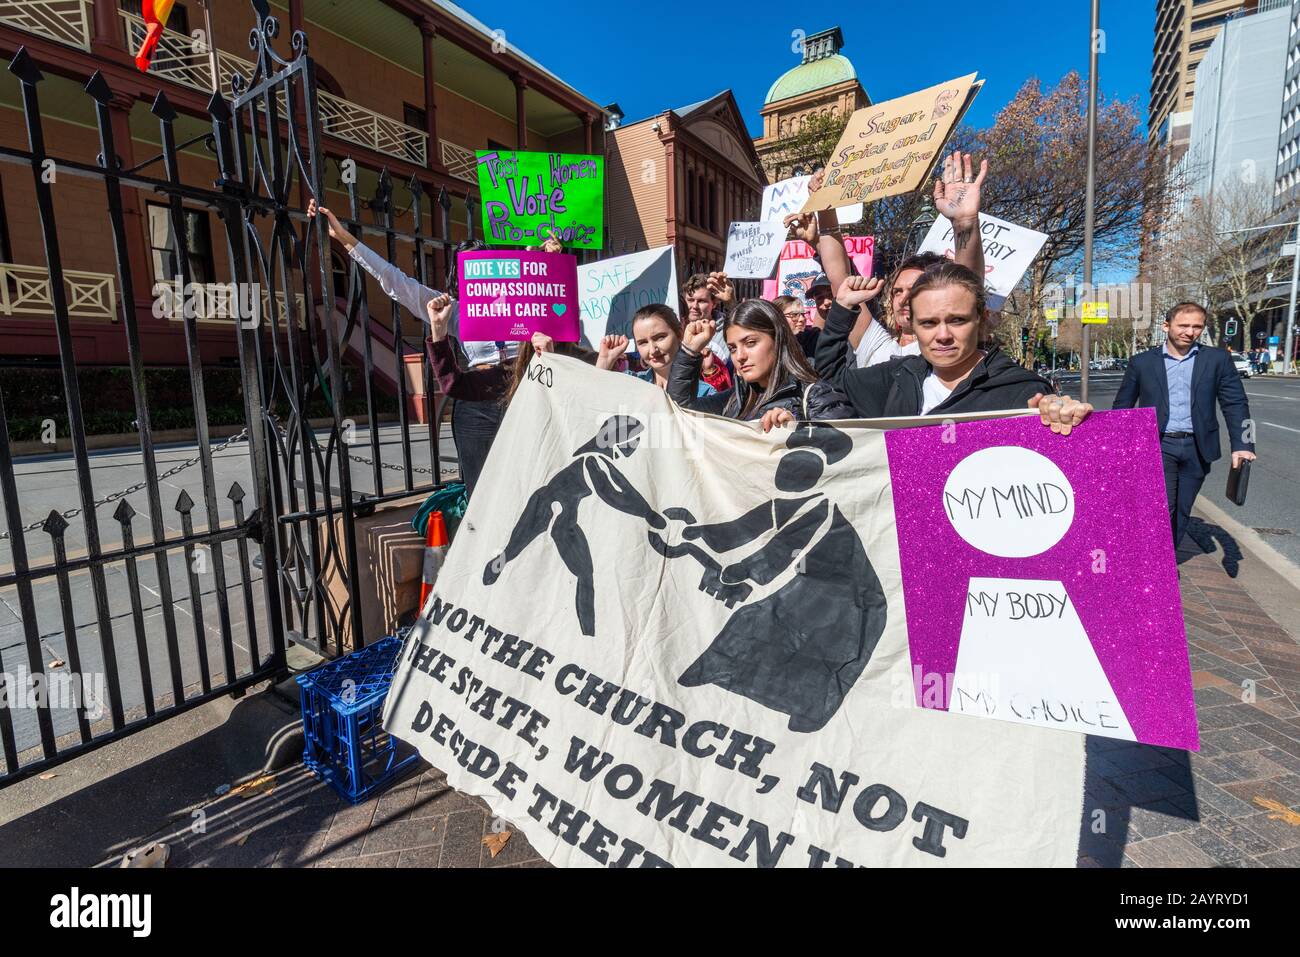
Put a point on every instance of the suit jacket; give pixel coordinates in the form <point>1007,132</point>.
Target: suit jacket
<point>1213,378</point>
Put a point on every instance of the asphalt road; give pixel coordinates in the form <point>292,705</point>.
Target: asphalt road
<point>1273,499</point>
<point>48,483</point>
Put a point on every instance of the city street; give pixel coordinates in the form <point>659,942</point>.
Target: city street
<point>48,483</point>
<point>1272,501</point>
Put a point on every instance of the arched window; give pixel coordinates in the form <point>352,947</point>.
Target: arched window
<point>713,207</point>
<point>690,197</point>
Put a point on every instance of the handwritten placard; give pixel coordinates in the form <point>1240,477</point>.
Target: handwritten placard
<point>890,148</point>
<point>1008,252</point>
<point>753,249</point>
<point>507,295</point>
<point>528,197</point>
<point>612,290</point>
<point>1045,611</point>
<point>783,198</point>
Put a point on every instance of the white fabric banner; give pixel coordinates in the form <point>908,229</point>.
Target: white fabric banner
<point>610,291</point>
<point>666,638</point>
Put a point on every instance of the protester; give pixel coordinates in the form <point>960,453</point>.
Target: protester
<point>952,374</point>
<point>957,196</point>
<point>495,384</point>
<point>658,335</point>
<point>794,311</point>
<point>774,382</point>
<point>474,422</point>
<point>1182,382</point>
<point>710,296</point>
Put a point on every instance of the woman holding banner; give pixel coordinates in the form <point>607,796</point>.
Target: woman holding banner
<point>952,374</point>
<point>774,382</point>
<point>658,335</point>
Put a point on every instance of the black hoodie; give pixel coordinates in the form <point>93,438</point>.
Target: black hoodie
<point>823,402</point>
<point>893,388</point>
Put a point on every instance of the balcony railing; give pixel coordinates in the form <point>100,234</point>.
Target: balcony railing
<point>183,60</point>
<point>460,162</point>
<point>348,121</point>
<point>217,302</point>
<point>65,21</point>
<point>25,291</point>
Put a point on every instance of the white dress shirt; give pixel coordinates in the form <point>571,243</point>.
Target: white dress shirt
<point>879,346</point>
<point>415,296</point>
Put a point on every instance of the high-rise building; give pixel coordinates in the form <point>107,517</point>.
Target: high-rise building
<point>1184,31</point>
<point>1233,140</point>
<point>1288,145</point>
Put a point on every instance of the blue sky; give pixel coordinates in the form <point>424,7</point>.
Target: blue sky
<point>650,57</point>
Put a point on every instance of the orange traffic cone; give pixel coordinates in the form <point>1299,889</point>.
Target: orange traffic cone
<point>435,552</point>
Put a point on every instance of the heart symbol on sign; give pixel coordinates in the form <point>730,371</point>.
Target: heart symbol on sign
<point>559,308</point>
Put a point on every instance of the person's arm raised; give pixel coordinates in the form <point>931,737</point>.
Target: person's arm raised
<point>957,196</point>
<point>337,230</point>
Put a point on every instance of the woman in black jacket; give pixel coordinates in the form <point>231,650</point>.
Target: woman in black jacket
<point>952,374</point>
<point>774,382</point>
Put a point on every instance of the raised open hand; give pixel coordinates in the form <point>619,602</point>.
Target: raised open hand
<point>957,189</point>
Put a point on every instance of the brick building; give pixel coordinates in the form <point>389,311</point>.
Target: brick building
<point>680,178</point>
<point>411,86</point>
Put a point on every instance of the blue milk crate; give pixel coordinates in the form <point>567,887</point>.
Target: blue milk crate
<point>342,703</point>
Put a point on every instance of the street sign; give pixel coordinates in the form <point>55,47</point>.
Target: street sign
<point>1055,326</point>
<point>1051,315</point>
<point>1094,313</point>
<point>1288,249</point>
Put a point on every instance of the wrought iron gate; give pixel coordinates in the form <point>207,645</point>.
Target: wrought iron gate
<point>74,687</point>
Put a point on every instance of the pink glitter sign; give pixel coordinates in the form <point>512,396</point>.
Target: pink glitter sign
<point>1039,576</point>
<point>509,295</point>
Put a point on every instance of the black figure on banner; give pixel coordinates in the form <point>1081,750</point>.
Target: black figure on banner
<point>591,471</point>
<point>799,649</point>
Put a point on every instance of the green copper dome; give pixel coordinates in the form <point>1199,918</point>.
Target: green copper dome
<point>815,75</point>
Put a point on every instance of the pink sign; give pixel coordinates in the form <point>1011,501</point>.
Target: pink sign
<point>509,295</point>
<point>861,250</point>
<point>1039,576</point>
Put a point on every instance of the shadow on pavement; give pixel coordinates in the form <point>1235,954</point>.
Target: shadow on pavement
<point>107,817</point>
<point>1200,540</point>
<point>1127,785</point>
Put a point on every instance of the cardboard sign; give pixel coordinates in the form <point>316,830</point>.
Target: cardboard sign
<point>1046,611</point>
<point>612,290</point>
<point>891,148</point>
<point>1008,251</point>
<point>527,197</point>
<point>753,249</point>
<point>637,660</point>
<point>507,295</point>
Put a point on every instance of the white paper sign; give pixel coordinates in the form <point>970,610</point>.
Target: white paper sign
<point>783,198</point>
<point>1008,251</point>
<point>612,290</point>
<point>753,249</point>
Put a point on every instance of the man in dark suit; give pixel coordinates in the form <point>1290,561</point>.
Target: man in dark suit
<point>1182,381</point>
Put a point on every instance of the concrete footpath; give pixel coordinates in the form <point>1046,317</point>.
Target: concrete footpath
<point>223,786</point>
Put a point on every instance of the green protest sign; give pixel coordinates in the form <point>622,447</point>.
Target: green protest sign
<point>527,197</point>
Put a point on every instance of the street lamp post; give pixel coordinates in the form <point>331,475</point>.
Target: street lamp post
<point>1090,199</point>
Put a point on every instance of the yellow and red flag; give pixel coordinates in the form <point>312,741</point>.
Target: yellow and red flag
<point>155,13</point>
